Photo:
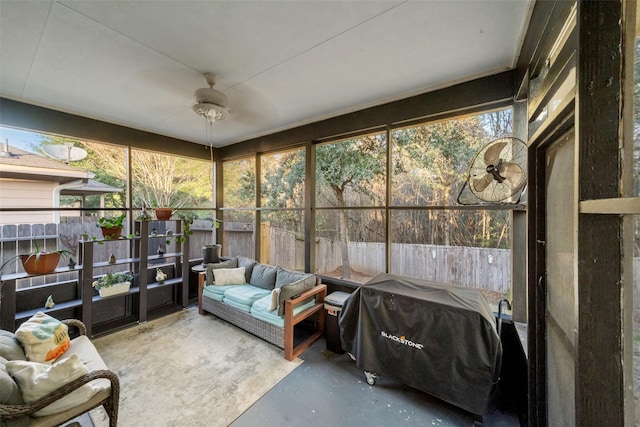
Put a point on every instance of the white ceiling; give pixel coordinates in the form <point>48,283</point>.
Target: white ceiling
<point>281,63</point>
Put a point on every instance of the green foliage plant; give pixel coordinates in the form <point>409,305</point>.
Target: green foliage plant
<point>111,279</point>
<point>187,218</point>
<point>37,253</point>
<point>112,222</point>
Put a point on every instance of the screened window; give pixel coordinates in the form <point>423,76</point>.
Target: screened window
<point>239,177</point>
<point>239,216</point>
<point>351,243</point>
<point>282,190</point>
<point>282,180</point>
<point>352,172</point>
<point>436,241</point>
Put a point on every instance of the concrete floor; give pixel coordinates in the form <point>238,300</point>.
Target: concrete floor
<point>329,390</point>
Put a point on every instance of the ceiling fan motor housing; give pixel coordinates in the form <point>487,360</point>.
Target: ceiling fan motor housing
<point>210,103</point>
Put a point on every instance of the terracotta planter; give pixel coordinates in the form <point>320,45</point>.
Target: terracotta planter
<point>116,289</point>
<point>111,233</point>
<point>44,264</point>
<point>163,214</point>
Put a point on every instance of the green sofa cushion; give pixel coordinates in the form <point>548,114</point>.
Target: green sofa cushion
<point>238,305</point>
<point>284,276</point>
<point>264,276</point>
<point>10,347</point>
<point>296,288</point>
<point>216,292</point>
<point>230,263</point>
<point>248,265</point>
<point>10,393</point>
<point>245,294</point>
<point>260,310</point>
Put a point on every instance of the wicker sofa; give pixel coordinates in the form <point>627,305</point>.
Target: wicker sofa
<point>13,413</point>
<point>255,307</point>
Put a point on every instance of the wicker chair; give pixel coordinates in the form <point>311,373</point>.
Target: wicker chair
<point>108,399</point>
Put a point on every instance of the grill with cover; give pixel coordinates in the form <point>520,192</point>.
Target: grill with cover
<point>437,338</point>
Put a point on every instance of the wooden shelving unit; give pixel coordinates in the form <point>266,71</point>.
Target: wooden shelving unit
<point>77,296</point>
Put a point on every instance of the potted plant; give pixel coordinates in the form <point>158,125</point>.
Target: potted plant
<point>38,262</point>
<point>113,283</point>
<point>163,214</point>
<point>111,227</point>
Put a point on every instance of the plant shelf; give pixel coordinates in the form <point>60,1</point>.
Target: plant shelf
<point>23,315</point>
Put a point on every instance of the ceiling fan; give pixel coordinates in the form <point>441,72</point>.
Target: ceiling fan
<point>210,103</point>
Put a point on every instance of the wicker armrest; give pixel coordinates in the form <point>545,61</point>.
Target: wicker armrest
<point>77,323</point>
<point>18,411</point>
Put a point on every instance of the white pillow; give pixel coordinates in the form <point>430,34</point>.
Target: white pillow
<point>229,276</point>
<point>36,380</point>
<point>43,337</point>
<point>274,299</point>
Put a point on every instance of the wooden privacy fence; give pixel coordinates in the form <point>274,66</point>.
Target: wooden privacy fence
<point>467,266</point>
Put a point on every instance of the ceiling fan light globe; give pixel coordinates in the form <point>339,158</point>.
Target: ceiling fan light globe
<point>211,112</point>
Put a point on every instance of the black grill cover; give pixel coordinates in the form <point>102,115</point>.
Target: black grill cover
<point>434,337</point>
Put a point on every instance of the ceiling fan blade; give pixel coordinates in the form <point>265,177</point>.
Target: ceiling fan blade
<point>512,173</point>
<point>479,184</point>
<point>492,155</point>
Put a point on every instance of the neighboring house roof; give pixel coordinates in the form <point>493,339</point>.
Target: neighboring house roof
<point>22,164</point>
<point>91,187</point>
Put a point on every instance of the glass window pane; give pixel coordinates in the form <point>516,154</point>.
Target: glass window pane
<point>468,248</point>
<point>239,183</point>
<point>636,310</point>
<point>282,239</point>
<point>282,181</point>
<point>430,162</point>
<point>350,244</point>
<point>74,174</point>
<point>351,172</point>
<point>239,237</point>
<point>162,180</point>
<point>636,122</point>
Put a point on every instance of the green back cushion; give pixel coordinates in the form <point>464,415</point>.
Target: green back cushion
<point>231,263</point>
<point>248,265</point>
<point>263,276</point>
<point>10,348</point>
<point>296,288</point>
<point>284,276</point>
<point>10,394</point>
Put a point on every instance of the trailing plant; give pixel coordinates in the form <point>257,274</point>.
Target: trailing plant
<point>187,218</point>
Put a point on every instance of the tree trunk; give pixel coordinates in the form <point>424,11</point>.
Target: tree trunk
<point>344,233</point>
